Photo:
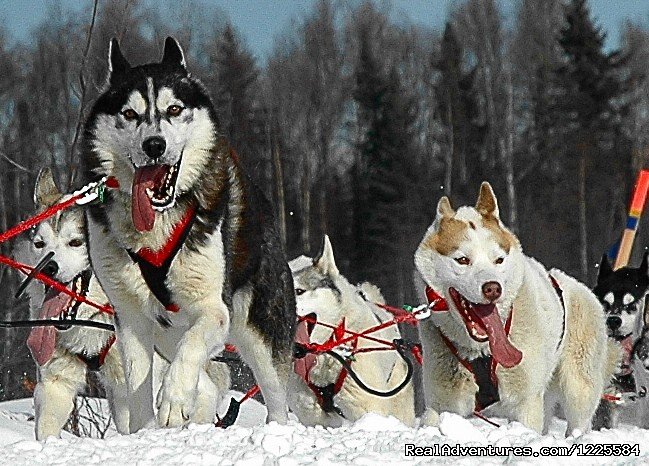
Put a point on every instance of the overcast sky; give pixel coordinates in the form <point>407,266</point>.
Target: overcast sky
<point>259,21</point>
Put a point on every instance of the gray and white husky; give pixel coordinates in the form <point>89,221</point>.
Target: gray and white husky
<point>556,350</point>
<point>327,295</point>
<point>64,356</point>
<point>186,244</point>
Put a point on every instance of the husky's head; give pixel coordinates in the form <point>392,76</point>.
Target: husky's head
<point>63,235</point>
<point>622,293</point>
<point>470,258</point>
<point>152,128</point>
<point>322,291</point>
<point>315,282</point>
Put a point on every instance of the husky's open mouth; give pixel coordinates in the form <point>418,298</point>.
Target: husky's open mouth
<point>483,324</point>
<point>56,304</point>
<point>154,188</point>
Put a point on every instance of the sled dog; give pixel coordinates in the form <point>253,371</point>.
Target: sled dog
<point>64,355</point>
<point>532,339</point>
<point>319,394</point>
<point>186,243</point>
<point>622,293</point>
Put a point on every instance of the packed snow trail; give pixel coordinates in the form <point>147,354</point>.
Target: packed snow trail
<point>371,440</point>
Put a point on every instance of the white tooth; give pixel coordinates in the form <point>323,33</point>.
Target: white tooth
<point>149,192</point>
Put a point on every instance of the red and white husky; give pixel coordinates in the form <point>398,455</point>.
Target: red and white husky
<point>556,349</point>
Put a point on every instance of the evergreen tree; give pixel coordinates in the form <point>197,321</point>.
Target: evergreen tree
<point>235,91</point>
<point>588,112</point>
<point>458,111</point>
<point>383,175</point>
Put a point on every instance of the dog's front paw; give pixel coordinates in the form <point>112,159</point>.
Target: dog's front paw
<point>430,418</point>
<point>175,401</point>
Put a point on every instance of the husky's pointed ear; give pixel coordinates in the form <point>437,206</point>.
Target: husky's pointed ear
<point>487,204</point>
<point>173,54</point>
<point>45,192</point>
<point>644,266</point>
<point>444,208</point>
<point>117,64</point>
<point>325,261</point>
<point>605,269</point>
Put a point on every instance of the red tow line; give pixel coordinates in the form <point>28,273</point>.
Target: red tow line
<point>39,218</point>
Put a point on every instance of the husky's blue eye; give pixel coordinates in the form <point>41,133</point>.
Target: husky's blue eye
<point>174,110</point>
<point>129,114</point>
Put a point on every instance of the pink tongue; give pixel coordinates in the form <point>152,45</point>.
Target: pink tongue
<point>304,365</point>
<point>506,354</point>
<point>142,211</point>
<point>42,340</point>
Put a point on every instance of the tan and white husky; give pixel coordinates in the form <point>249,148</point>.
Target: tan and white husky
<point>556,351</point>
<point>322,291</point>
<point>64,356</point>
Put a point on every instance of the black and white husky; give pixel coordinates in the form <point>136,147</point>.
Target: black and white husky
<point>185,243</point>
<point>623,293</point>
<point>321,392</point>
<point>64,356</point>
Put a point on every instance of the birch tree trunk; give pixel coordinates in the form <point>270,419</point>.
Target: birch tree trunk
<point>279,191</point>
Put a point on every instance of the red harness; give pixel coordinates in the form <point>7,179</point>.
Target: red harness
<point>95,362</point>
<point>155,265</point>
<point>302,367</point>
<point>487,386</point>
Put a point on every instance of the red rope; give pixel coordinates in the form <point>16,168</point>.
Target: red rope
<point>485,419</point>
<point>313,346</point>
<point>401,313</point>
<point>250,393</point>
<point>26,269</point>
<point>35,220</point>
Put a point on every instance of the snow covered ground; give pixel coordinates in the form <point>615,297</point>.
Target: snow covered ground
<point>370,441</point>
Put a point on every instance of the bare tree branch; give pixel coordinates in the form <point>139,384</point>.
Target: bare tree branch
<point>82,99</point>
<point>16,164</point>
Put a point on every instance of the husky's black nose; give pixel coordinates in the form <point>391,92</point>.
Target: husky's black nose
<point>614,322</point>
<point>154,146</point>
<point>492,291</point>
<point>50,269</point>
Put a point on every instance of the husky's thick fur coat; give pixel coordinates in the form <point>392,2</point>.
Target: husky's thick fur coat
<point>326,294</point>
<point>557,350</point>
<point>183,199</point>
<point>623,294</point>
<point>64,356</point>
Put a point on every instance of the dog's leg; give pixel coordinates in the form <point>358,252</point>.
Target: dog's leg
<point>304,405</point>
<point>122,282</point>
<point>59,382</point>
<point>114,380</point>
<point>271,373</point>
<point>135,342</point>
<point>212,385</point>
<point>448,386</point>
<point>177,396</point>
<point>550,405</point>
<point>530,412</point>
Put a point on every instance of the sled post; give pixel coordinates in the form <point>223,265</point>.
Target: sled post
<point>635,212</point>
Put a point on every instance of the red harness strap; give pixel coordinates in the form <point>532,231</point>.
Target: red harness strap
<point>468,365</point>
<point>95,362</point>
<point>155,265</point>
